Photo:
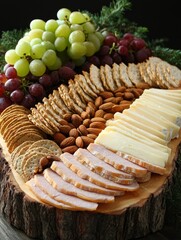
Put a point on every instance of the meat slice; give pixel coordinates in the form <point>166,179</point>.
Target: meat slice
<point>67,188</point>
<point>43,197</point>
<point>75,202</point>
<point>117,161</point>
<point>71,161</point>
<point>102,168</point>
<point>69,176</point>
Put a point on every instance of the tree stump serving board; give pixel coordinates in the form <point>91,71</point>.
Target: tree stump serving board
<point>133,215</point>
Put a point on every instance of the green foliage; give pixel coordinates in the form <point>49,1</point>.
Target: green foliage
<point>8,41</point>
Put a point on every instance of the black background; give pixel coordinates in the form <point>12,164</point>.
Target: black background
<point>162,18</point>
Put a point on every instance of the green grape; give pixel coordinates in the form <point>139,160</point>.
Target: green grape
<point>48,36</point>
<point>100,36</point>
<point>60,44</point>
<point>37,51</point>
<point>87,17</point>
<point>77,17</point>
<point>95,40</point>
<point>49,57</point>
<point>37,24</point>
<point>80,61</point>
<point>90,48</point>
<point>37,67</point>
<point>35,33</point>
<point>56,65</point>
<point>74,27</point>
<point>76,36</point>
<point>63,30</point>
<point>60,22</point>
<point>51,25</point>
<point>22,67</point>
<point>88,27</point>
<point>48,45</point>
<point>35,41</point>
<point>77,50</point>
<point>11,56</point>
<point>63,14</point>
<point>23,48</point>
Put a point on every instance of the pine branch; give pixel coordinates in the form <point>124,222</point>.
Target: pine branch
<point>170,55</point>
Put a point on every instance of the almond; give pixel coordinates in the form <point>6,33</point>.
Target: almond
<point>67,117</point>
<point>128,95</point>
<point>65,129</point>
<point>58,137</point>
<point>67,142</point>
<point>91,135</point>
<point>106,94</point>
<point>63,122</point>
<point>121,89</point>
<point>85,115</point>
<point>86,122</point>
<point>74,133</point>
<point>117,108</point>
<point>95,131</point>
<point>119,94</point>
<point>98,101</point>
<point>143,85</point>
<point>106,106</point>
<point>99,113</point>
<point>90,111</point>
<point>79,142</point>
<point>76,120</point>
<point>100,125</point>
<point>108,116</point>
<point>70,149</point>
<point>86,140</point>
<point>111,99</point>
<point>98,119</point>
<point>82,130</point>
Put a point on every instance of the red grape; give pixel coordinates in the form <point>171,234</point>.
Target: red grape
<point>123,51</point>
<point>142,55</point>
<point>123,42</point>
<point>28,101</point>
<point>4,103</point>
<point>17,96</point>
<point>11,72</point>
<point>104,50</point>
<point>110,39</point>
<point>12,84</point>
<point>66,73</point>
<point>2,90</point>
<point>2,78</point>
<point>107,59</point>
<point>55,78</point>
<point>94,60</point>
<point>36,90</point>
<point>128,36</point>
<point>137,44</point>
<point>116,57</point>
<point>45,80</point>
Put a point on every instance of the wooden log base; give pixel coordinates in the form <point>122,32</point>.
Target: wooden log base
<point>131,216</point>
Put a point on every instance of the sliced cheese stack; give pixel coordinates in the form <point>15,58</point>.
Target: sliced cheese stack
<point>141,133</point>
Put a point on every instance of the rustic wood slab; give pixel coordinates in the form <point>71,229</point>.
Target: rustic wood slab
<point>131,216</point>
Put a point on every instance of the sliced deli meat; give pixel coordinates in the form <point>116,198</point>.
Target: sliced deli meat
<point>104,169</point>
<point>69,176</point>
<point>72,201</point>
<point>71,161</point>
<point>67,188</point>
<point>118,162</point>
<point>44,197</point>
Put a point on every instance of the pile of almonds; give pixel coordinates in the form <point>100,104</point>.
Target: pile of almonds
<point>77,131</point>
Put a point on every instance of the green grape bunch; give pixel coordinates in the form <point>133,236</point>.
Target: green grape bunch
<point>48,45</point>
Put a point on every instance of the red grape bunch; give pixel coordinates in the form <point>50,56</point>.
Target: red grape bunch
<point>128,49</point>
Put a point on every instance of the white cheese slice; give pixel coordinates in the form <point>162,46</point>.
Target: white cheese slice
<point>170,114</point>
<point>130,127</point>
<point>161,100</point>
<point>124,144</point>
<point>141,125</point>
<point>157,118</point>
<point>139,138</point>
<point>165,92</point>
<point>145,120</point>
